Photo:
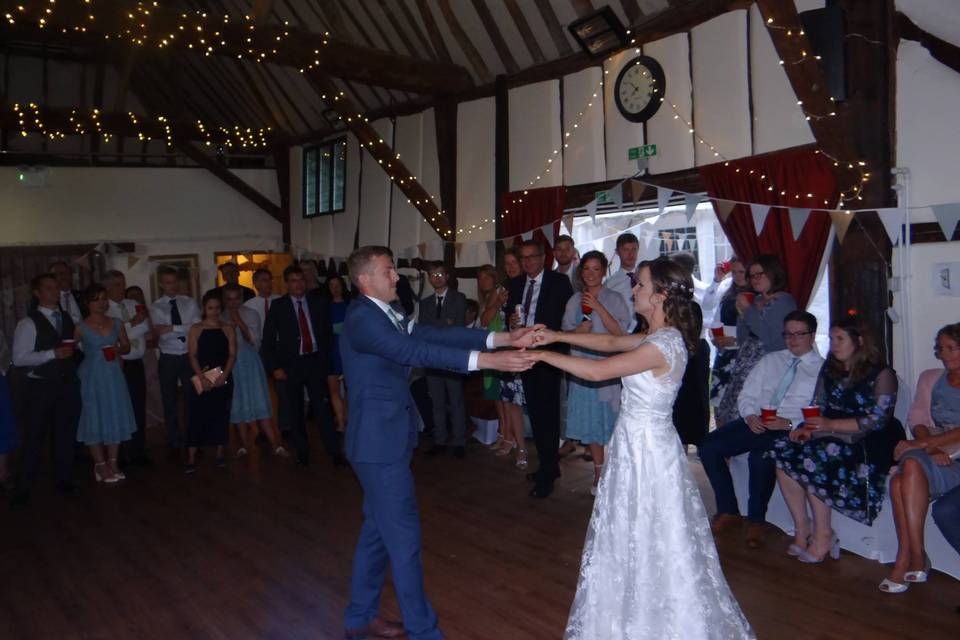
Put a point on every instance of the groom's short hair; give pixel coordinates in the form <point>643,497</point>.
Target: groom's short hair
<point>360,258</point>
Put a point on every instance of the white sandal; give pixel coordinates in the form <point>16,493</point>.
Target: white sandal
<point>921,575</point>
<point>889,586</point>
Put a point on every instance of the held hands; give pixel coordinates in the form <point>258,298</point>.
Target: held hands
<point>545,336</point>
<point>512,361</point>
<point>205,383</point>
<point>524,337</point>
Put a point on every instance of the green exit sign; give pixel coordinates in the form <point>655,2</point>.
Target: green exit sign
<point>646,151</point>
<point>602,197</point>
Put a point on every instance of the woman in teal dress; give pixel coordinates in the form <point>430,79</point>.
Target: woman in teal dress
<point>251,405</point>
<point>592,407</point>
<point>840,459</point>
<point>339,301</point>
<point>106,416</point>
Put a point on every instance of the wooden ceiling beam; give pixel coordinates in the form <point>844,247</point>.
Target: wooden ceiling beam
<point>387,158</point>
<point>436,39</point>
<point>557,33</point>
<point>942,51</point>
<point>466,45</point>
<point>493,30</point>
<point>631,8</point>
<point>526,33</point>
<point>417,31</point>
<point>295,47</point>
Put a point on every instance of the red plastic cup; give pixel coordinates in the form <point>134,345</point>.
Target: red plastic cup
<point>768,413</point>
<point>717,332</point>
<point>585,309</point>
<point>811,412</point>
<point>141,308</point>
<point>109,353</point>
<point>726,266</point>
<point>750,296</point>
<point>69,343</point>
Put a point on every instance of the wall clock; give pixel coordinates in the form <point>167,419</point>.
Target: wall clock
<point>640,89</point>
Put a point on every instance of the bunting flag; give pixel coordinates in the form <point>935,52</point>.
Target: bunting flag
<point>637,189</point>
<point>615,194</point>
<point>690,201</point>
<point>508,242</point>
<point>132,261</point>
<point>947,215</point>
<point>568,223</point>
<point>435,248</point>
<point>798,219</point>
<point>892,219</point>
<point>724,208</point>
<point>841,222</point>
<point>526,235</point>
<point>652,220</point>
<point>421,249</point>
<point>759,213</point>
<point>651,242</point>
<point>663,197</point>
<point>547,231</point>
<point>592,211</point>
<point>667,238</point>
<point>491,251</point>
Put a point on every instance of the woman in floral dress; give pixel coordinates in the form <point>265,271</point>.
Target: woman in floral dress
<point>840,459</point>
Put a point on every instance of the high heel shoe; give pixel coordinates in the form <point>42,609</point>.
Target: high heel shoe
<point>889,586</point>
<point>833,552</point>
<point>795,550</point>
<point>103,477</point>
<point>497,443</point>
<point>521,459</point>
<point>508,446</point>
<point>119,475</point>
<point>921,575</point>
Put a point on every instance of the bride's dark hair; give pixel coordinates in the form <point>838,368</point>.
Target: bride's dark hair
<point>679,309</point>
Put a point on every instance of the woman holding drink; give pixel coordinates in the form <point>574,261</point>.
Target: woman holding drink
<point>106,417</point>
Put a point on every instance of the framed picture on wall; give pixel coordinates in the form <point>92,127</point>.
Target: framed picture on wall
<point>188,273</point>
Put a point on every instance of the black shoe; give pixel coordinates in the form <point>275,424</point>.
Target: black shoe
<point>541,490</point>
<point>66,488</point>
<point>189,468</point>
<point>435,449</point>
<point>339,460</point>
<point>20,500</point>
<point>459,452</point>
<point>534,476</point>
<point>303,461</point>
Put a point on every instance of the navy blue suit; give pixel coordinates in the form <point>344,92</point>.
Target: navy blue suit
<point>381,436</point>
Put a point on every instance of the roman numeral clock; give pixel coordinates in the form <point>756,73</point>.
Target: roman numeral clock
<point>640,89</point>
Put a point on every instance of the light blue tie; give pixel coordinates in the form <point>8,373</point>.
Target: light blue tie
<point>57,322</point>
<point>397,319</point>
<point>785,383</point>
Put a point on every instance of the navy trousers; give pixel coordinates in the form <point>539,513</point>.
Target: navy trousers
<point>390,534</point>
<point>731,440</point>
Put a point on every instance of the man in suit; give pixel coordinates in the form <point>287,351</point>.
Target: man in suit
<point>231,275</point>
<point>378,349</point>
<point>296,351</point>
<point>52,390</point>
<point>446,307</point>
<point>543,297</point>
<point>263,281</point>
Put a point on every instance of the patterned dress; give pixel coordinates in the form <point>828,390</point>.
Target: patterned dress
<point>849,478</point>
<point>726,358</point>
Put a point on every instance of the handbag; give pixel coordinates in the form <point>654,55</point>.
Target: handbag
<point>209,374</point>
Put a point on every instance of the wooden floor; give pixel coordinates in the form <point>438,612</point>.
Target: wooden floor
<point>262,550</point>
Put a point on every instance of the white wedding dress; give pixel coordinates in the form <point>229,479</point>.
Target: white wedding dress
<point>650,567</point>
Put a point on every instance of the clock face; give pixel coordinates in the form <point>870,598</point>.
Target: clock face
<point>640,89</point>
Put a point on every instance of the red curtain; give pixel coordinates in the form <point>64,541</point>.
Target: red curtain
<point>801,178</point>
<point>531,209</point>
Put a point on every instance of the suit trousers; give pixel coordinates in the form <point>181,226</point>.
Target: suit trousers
<point>541,386</point>
<point>172,368</point>
<point>730,440</point>
<point>52,406</point>
<point>390,535</point>
<point>446,396</point>
<point>135,375</point>
<point>306,372</point>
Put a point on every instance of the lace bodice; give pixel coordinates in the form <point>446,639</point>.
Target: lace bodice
<point>645,394</point>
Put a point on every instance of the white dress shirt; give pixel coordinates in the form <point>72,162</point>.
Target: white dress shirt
<point>126,311</point>
<point>474,355</point>
<point>532,311</point>
<point>25,339</point>
<point>69,304</point>
<point>620,283</point>
<point>763,380</point>
<point>260,305</point>
<point>170,343</point>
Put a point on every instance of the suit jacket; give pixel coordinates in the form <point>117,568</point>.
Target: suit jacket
<point>377,357</point>
<point>453,313</point>
<point>555,290</point>
<point>281,332</point>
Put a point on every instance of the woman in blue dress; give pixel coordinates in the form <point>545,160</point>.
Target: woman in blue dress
<point>592,407</point>
<point>339,301</point>
<point>106,416</point>
<point>251,405</point>
<point>8,431</point>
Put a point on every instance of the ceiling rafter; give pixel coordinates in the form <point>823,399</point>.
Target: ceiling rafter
<point>557,34</point>
<point>526,33</point>
<point>434,31</point>
<point>493,31</point>
<point>466,44</point>
<point>582,7</point>
<point>631,9</point>
<point>417,31</point>
<point>398,29</point>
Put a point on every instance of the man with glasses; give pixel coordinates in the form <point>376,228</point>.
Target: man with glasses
<point>446,307</point>
<point>542,298</point>
<point>783,381</point>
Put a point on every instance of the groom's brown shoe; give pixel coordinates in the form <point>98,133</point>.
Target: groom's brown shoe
<point>725,521</point>
<point>377,628</point>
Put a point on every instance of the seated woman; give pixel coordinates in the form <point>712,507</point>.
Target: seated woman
<point>928,466</point>
<point>839,459</point>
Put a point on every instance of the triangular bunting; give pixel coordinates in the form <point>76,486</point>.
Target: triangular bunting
<point>132,261</point>
<point>892,219</point>
<point>491,251</point>
<point>421,249</point>
<point>947,215</point>
<point>637,189</point>
<point>568,223</point>
<point>526,235</point>
<point>508,242</point>
<point>592,211</point>
<point>798,219</point>
<point>690,201</point>
<point>759,213</point>
<point>663,197</point>
<point>615,194</point>
<point>723,208</point>
<point>841,222</point>
<point>547,231</point>
<point>651,241</point>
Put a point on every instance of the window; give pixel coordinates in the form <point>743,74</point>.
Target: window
<point>324,177</point>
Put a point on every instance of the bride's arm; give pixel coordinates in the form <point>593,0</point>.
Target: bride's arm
<point>594,341</point>
<point>643,358</point>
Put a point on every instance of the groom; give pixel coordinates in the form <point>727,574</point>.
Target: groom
<point>378,349</point>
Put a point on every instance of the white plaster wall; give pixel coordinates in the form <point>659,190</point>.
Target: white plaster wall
<point>583,158</point>
<point>375,190</point>
<point>476,192</point>
<point>671,135</point>
<point>535,133</point>
<point>620,133</point>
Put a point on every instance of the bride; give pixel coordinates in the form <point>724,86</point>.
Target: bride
<point>650,568</point>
